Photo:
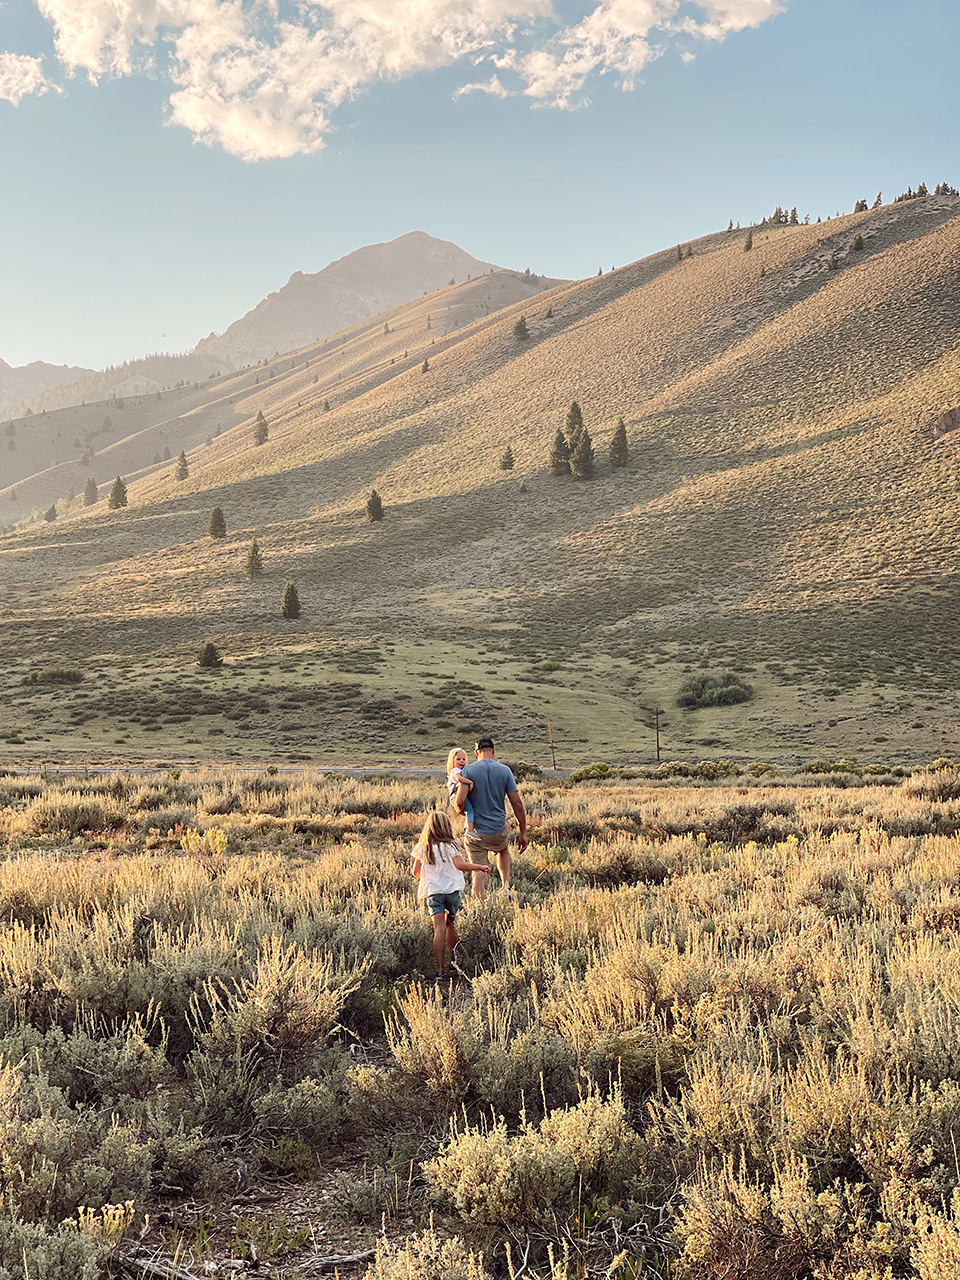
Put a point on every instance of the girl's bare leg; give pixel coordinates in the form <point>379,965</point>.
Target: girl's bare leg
<point>439,938</point>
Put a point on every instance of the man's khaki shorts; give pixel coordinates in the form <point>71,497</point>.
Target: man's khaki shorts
<point>487,842</point>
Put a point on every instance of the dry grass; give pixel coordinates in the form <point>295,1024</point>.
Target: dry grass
<point>717,1036</point>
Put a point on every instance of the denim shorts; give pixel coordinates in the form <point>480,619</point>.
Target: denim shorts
<point>438,903</point>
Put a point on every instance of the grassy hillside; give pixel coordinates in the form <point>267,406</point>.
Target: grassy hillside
<point>787,513</point>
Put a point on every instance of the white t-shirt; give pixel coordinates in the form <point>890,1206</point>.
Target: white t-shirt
<point>440,876</point>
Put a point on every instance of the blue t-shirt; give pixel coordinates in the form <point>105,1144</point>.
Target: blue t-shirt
<point>491,782</point>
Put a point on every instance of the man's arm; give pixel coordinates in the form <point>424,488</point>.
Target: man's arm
<point>460,802</point>
<point>516,804</point>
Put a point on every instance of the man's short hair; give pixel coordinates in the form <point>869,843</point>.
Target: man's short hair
<point>485,744</point>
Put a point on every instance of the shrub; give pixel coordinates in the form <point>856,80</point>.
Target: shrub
<point>375,505</point>
<point>59,1253</point>
<point>426,1257</point>
<point>595,772</point>
<point>54,675</point>
<point>581,1158</point>
<point>714,691</point>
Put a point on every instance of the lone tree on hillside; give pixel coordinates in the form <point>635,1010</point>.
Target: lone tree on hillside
<point>858,242</point>
<point>506,461</point>
<point>833,264</point>
<point>260,429</point>
<point>218,525</point>
<point>559,464</point>
<point>619,452</point>
<point>748,243</point>
<point>290,604</point>
<point>118,495</point>
<point>90,494</point>
<point>50,514</point>
<point>210,656</point>
<point>253,565</point>
<point>374,507</point>
<point>183,469</point>
<point>326,406</point>
<point>425,367</point>
<point>520,330</point>
<point>582,462</point>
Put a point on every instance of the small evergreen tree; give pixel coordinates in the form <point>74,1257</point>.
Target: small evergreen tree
<point>573,423</point>
<point>619,452</point>
<point>290,604</point>
<point>858,242</point>
<point>210,656</point>
<point>520,330</point>
<point>374,507</point>
<point>425,367</point>
<point>90,492</point>
<point>582,462</point>
<point>523,487</point>
<point>50,514</point>
<point>833,264</point>
<point>218,525</point>
<point>118,495</point>
<point>253,565</point>
<point>506,461</point>
<point>679,254</point>
<point>326,406</point>
<point>559,464</point>
<point>260,429</point>
<point>879,200</point>
<point>183,469</point>
<point>748,243</point>
<point>548,314</point>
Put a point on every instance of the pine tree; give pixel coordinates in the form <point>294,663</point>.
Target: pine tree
<point>559,464</point>
<point>218,525</point>
<point>794,217</point>
<point>118,495</point>
<point>833,264</point>
<point>689,253</point>
<point>260,429</point>
<point>548,314</point>
<point>90,494</point>
<point>858,242</point>
<point>679,254</point>
<point>210,656</point>
<point>582,462</point>
<point>326,403</point>
<point>879,200</point>
<point>520,330</point>
<point>748,243</point>
<point>50,514</point>
<point>860,206</point>
<point>290,604</point>
<point>619,451</point>
<point>425,367</point>
<point>183,469</point>
<point>374,507</point>
<point>573,423</point>
<point>253,565</point>
<point>506,461</point>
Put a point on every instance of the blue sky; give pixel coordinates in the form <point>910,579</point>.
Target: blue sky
<point>209,161</point>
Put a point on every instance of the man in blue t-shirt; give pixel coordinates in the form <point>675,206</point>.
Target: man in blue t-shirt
<point>493,785</point>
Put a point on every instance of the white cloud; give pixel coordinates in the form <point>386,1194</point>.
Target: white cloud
<point>21,75</point>
<point>494,86</point>
<point>262,78</point>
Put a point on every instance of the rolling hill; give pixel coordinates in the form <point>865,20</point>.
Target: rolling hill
<point>788,513</point>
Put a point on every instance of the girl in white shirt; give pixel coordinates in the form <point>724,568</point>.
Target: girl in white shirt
<point>439,864</point>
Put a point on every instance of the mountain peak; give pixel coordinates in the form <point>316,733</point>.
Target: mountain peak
<point>374,278</point>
